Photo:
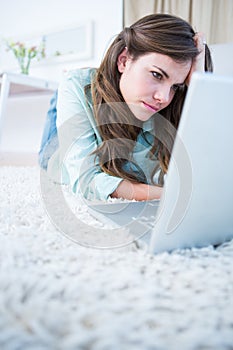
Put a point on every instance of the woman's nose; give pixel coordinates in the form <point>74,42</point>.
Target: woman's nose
<point>162,94</point>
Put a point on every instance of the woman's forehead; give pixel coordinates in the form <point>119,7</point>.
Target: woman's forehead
<point>169,67</point>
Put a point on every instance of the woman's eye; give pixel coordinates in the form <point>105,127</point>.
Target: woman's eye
<point>157,75</point>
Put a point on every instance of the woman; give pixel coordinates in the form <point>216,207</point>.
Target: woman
<point>110,143</point>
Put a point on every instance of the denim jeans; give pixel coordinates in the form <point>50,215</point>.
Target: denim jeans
<point>49,142</point>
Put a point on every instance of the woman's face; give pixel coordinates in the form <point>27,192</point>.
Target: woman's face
<point>149,84</point>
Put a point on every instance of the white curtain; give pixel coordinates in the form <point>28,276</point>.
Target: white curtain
<point>213,17</point>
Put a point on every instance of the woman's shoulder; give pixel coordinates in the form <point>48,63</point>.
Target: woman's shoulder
<point>80,76</point>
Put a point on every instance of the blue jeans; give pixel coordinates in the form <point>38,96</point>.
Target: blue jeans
<point>49,142</point>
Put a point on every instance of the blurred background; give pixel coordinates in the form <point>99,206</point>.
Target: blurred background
<point>74,34</point>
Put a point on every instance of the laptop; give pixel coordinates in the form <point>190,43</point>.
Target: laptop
<point>196,208</point>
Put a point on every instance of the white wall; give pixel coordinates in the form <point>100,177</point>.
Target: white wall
<point>222,58</point>
<point>24,120</point>
<point>26,18</point>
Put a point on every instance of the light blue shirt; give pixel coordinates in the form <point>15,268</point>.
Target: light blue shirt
<point>78,137</point>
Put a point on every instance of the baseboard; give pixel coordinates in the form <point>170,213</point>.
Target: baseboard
<point>18,159</point>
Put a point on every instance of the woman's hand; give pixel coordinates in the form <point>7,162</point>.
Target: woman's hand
<point>199,62</point>
<point>138,192</point>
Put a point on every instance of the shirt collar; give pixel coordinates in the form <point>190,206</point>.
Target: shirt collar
<point>148,125</point>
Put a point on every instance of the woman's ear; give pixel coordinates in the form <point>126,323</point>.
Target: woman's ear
<point>122,59</point>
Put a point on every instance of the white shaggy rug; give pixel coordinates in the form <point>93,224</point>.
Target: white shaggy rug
<point>56,294</point>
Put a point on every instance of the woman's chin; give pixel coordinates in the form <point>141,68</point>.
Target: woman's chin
<point>141,114</point>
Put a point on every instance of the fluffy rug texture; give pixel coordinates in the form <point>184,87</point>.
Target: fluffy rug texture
<point>56,294</point>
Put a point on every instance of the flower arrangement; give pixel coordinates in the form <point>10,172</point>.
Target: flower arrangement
<point>25,54</point>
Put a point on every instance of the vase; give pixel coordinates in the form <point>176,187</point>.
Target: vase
<point>24,69</point>
<point>24,64</point>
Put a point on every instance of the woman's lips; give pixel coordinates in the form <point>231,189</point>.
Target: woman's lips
<point>150,107</point>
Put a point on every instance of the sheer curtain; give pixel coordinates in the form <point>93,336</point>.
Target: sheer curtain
<point>213,17</point>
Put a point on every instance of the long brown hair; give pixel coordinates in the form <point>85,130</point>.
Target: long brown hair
<point>119,129</point>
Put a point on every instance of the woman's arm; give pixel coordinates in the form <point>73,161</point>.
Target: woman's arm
<point>139,192</point>
<point>199,62</point>
<point>78,138</point>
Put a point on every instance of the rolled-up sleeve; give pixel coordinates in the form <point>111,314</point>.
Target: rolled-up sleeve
<point>78,138</point>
